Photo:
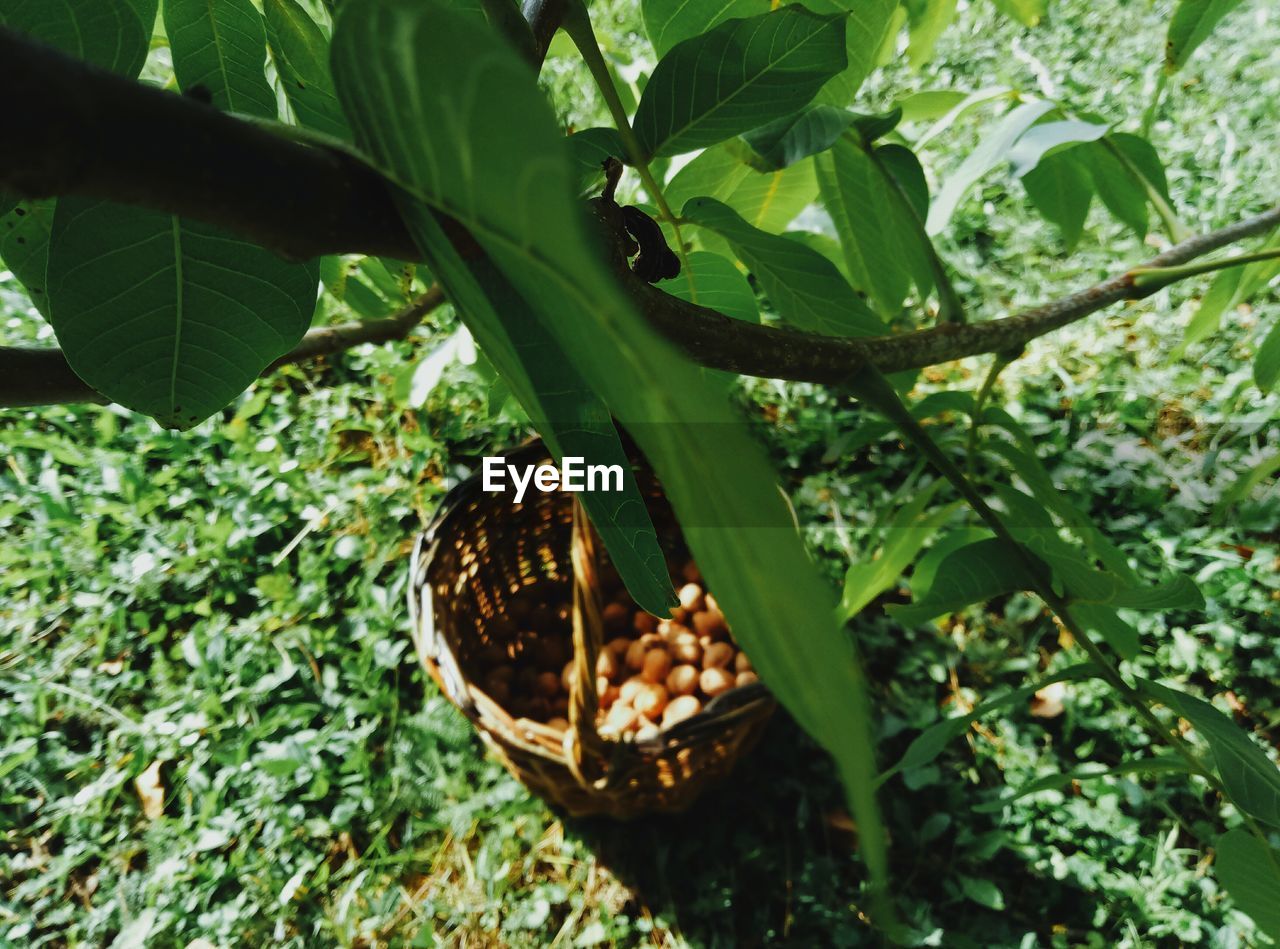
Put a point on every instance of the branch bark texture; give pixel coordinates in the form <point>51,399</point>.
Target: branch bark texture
<point>75,129</point>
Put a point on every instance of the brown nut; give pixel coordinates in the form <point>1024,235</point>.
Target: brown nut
<point>616,618</point>
<point>559,724</point>
<point>636,651</point>
<point>608,696</point>
<point>741,663</point>
<point>686,648</point>
<point>691,573</point>
<point>645,622</point>
<point>712,605</point>
<point>680,708</point>
<point>657,663</point>
<point>710,624</point>
<point>715,680</point>
<point>650,700</point>
<point>499,689</point>
<point>683,680</point>
<point>620,718</point>
<point>547,684</point>
<point>630,689</point>
<point>646,729</point>
<point>566,677</point>
<point>618,645</point>
<point>691,597</point>
<point>746,677</point>
<point>717,656</point>
<point>602,685</point>
<point>679,615</point>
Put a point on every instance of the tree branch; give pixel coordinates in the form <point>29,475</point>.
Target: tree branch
<point>75,129</point>
<point>42,376</point>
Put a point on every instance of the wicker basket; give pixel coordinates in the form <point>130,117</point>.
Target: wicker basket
<point>483,558</point>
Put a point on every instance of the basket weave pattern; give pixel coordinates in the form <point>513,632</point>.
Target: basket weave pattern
<point>476,568</point>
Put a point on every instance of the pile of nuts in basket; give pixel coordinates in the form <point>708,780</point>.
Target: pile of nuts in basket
<point>651,673</point>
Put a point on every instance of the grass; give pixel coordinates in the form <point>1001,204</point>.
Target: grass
<point>228,602</point>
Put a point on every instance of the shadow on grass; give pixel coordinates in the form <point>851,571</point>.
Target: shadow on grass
<point>769,858</point>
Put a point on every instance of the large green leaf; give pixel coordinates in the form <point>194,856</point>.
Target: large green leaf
<point>927,23</point>
<point>1192,22</point>
<point>991,151</point>
<point>767,200</point>
<point>165,315</point>
<point>972,574</point>
<point>871,25</point>
<point>1026,12</point>
<point>406,68</point>
<point>669,22</point>
<point>711,280</point>
<point>1230,287</point>
<point>300,51</point>
<point>1061,189</point>
<point>113,34</point>
<point>737,76</point>
<point>1250,871</point>
<point>1251,778</point>
<point>879,231</point>
<point>1049,138</point>
<point>221,46</point>
<point>804,287</point>
<point>908,531</point>
<point>24,247</point>
<point>787,140</point>
<point>1163,764</point>
<point>1266,364</point>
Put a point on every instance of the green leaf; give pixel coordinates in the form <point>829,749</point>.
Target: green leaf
<point>1250,872</point>
<point>1026,12</point>
<point>925,28</point>
<point>589,149</point>
<point>712,280</point>
<point>872,26</point>
<point>929,104</point>
<point>793,137</point>
<point>1266,365</point>
<point>1251,778</point>
<point>505,175</point>
<point>933,740</point>
<point>926,568</point>
<point>907,534</point>
<point>904,167</point>
<point>1115,632</point>
<point>1126,171</point>
<point>169,316</point>
<point>113,34</point>
<point>300,51</point>
<point>882,241</point>
<point>1051,782</point>
<point>1061,189</point>
<point>804,286</point>
<point>1192,23</point>
<point>1230,288</point>
<point>973,574</point>
<point>24,247</point>
<point>767,200</point>
<point>669,22</point>
<point>729,79</point>
<point>1041,140</point>
<point>221,45</point>
<point>991,151</point>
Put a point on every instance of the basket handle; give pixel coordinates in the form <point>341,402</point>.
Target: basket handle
<point>583,741</point>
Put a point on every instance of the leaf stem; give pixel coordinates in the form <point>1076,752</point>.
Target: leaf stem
<point>577,23</point>
<point>1151,279</point>
<point>875,389</point>
<point>1176,230</point>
